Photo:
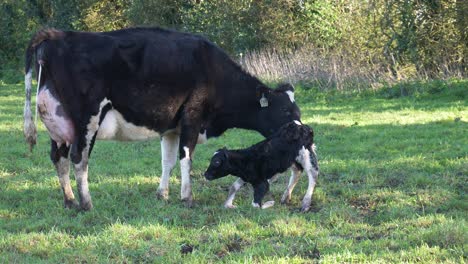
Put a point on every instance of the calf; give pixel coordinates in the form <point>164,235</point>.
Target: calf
<point>291,145</point>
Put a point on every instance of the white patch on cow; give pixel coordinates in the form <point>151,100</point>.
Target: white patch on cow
<point>81,175</point>
<point>63,173</point>
<point>60,128</point>
<point>169,146</point>
<point>202,138</point>
<point>290,95</point>
<point>93,124</point>
<point>185,166</point>
<point>216,152</point>
<point>114,126</point>
<point>256,205</point>
<point>297,122</point>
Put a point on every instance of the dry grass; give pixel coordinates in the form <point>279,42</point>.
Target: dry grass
<point>340,70</point>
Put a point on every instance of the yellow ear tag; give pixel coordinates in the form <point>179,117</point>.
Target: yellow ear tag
<point>263,101</point>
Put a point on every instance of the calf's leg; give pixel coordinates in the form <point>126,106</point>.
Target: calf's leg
<point>295,175</point>
<point>260,189</point>
<point>308,159</point>
<point>232,193</point>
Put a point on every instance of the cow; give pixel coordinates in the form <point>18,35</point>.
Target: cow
<point>291,145</point>
<point>141,84</point>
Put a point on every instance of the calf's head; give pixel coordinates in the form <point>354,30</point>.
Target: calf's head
<point>219,165</point>
<point>277,107</point>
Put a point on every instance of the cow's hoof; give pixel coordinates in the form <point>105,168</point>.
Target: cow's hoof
<point>230,206</point>
<point>86,206</point>
<point>71,204</point>
<point>188,202</point>
<point>305,205</point>
<point>162,194</point>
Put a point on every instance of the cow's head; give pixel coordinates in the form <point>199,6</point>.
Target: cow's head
<point>277,107</point>
<point>219,165</point>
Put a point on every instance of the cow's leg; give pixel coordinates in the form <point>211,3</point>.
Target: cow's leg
<point>310,165</point>
<point>232,193</point>
<point>59,157</point>
<point>79,156</point>
<point>80,152</point>
<point>169,146</point>
<point>295,175</point>
<point>190,128</point>
<point>260,189</point>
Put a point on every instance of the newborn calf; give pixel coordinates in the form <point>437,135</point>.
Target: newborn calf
<point>292,145</point>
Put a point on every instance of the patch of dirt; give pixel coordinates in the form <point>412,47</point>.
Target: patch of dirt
<point>394,181</point>
<point>186,249</point>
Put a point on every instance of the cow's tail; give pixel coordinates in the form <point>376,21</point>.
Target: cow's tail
<point>35,50</point>
<point>30,131</point>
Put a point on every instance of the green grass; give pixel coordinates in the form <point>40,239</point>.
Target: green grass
<point>392,188</point>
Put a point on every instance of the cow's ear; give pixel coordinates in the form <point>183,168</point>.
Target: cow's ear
<point>285,87</point>
<point>288,89</point>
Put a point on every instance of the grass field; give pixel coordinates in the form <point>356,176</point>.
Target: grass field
<point>392,188</point>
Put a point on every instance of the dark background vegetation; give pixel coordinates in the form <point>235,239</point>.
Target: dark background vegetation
<point>330,43</point>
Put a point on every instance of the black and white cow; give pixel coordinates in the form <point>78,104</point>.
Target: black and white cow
<point>138,84</point>
<point>291,145</point>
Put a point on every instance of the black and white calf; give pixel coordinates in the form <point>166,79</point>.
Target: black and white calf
<point>291,145</point>
<point>138,84</point>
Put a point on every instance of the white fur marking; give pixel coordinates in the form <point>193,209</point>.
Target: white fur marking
<point>37,90</point>
<point>297,122</point>
<point>268,204</point>
<point>60,128</point>
<point>291,95</point>
<point>232,193</point>
<point>185,165</point>
<point>93,124</point>
<point>169,146</point>
<point>114,126</point>
<point>202,138</point>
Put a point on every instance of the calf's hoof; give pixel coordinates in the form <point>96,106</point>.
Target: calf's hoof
<point>162,194</point>
<point>268,204</point>
<point>229,206</point>
<point>71,204</point>
<point>305,205</point>
<point>285,200</point>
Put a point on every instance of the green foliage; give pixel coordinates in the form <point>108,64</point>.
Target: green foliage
<point>403,39</point>
<point>392,189</point>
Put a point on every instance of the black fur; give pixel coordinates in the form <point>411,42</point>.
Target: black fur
<point>263,160</point>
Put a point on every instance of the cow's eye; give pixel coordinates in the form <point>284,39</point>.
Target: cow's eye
<point>217,163</point>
